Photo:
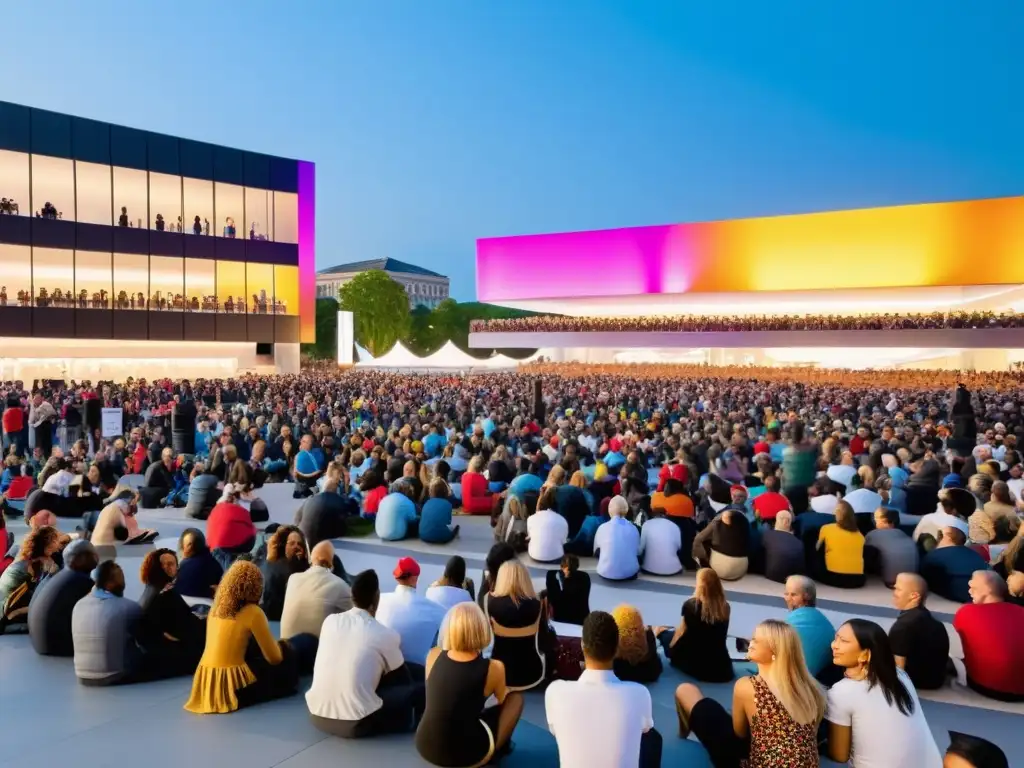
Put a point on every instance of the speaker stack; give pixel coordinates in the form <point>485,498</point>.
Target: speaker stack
<point>538,402</point>
<point>93,414</point>
<point>183,427</point>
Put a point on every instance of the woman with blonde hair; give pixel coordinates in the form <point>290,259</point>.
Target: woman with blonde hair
<point>519,620</point>
<point>637,658</point>
<point>777,711</point>
<point>455,729</point>
<point>511,524</point>
<point>500,472</point>
<point>697,646</point>
<point>228,678</point>
<point>841,550</point>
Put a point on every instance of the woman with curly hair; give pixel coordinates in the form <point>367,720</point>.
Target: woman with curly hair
<point>637,659</point>
<point>286,554</point>
<point>20,579</point>
<point>169,627</point>
<point>243,664</point>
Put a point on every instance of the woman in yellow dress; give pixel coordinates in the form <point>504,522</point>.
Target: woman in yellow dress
<point>236,672</point>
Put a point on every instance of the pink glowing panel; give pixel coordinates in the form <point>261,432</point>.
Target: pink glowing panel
<point>601,263</point>
<point>929,244</point>
<point>307,252</point>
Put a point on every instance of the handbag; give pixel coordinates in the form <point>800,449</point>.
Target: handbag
<point>569,661</point>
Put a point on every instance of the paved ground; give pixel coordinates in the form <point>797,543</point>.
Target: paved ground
<point>43,708</point>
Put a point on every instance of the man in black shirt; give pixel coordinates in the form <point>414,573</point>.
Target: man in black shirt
<point>919,640</point>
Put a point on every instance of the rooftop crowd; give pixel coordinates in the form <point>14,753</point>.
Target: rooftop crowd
<point>810,477</point>
<point>716,323</point>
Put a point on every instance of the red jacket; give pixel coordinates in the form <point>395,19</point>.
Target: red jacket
<point>13,420</point>
<point>228,526</point>
<point>475,498</point>
<point>371,499</point>
<point>674,471</point>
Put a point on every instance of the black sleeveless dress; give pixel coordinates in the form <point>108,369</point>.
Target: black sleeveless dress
<point>454,731</point>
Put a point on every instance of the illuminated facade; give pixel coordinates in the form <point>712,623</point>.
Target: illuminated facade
<point>113,233</point>
<point>909,258</point>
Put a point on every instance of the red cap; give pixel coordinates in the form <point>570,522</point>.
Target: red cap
<point>406,567</point>
<point>738,487</point>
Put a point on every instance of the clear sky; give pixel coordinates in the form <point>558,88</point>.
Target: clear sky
<point>435,122</point>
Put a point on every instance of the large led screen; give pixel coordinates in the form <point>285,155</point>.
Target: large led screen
<point>935,244</point>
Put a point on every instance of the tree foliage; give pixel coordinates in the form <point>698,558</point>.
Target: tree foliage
<point>381,310</point>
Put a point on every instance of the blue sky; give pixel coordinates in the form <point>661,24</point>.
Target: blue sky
<point>435,122</point>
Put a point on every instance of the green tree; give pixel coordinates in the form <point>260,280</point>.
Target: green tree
<point>423,338</point>
<point>381,310</point>
<point>326,346</point>
<point>451,323</point>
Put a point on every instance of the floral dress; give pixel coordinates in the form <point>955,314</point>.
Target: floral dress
<point>776,740</point>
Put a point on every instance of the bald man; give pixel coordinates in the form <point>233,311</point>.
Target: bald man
<point>919,640</point>
<point>992,633</point>
<point>314,595</point>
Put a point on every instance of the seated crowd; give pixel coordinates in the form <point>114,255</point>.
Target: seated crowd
<point>912,484</point>
<point>974,320</point>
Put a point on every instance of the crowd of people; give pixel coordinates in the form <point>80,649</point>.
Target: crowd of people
<point>805,481</point>
<point>887,321</point>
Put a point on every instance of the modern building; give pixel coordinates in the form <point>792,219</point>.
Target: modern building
<point>424,287</point>
<point>897,259</point>
<point>125,252</point>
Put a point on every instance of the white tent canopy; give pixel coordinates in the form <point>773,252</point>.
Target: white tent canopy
<point>447,358</point>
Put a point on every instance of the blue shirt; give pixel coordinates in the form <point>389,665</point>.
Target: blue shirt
<point>306,463</point>
<point>816,634</point>
<point>948,571</point>
<point>435,521</point>
<point>619,542</point>
<point>394,514</point>
<point>432,445</point>
<point>488,427</point>
<point>525,484</point>
<point>587,532</point>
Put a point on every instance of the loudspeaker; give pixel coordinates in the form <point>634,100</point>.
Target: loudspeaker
<point>538,402</point>
<point>93,413</point>
<point>183,427</point>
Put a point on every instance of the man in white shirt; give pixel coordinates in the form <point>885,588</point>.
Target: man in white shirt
<point>313,595</point>
<point>601,720</point>
<point>361,686</point>
<point>546,532</point>
<point>617,544</point>
<point>661,545</point>
<point>415,618</point>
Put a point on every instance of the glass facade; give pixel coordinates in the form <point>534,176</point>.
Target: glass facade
<point>94,193</point>
<point>56,277</point>
<point>98,218</point>
<point>15,276</point>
